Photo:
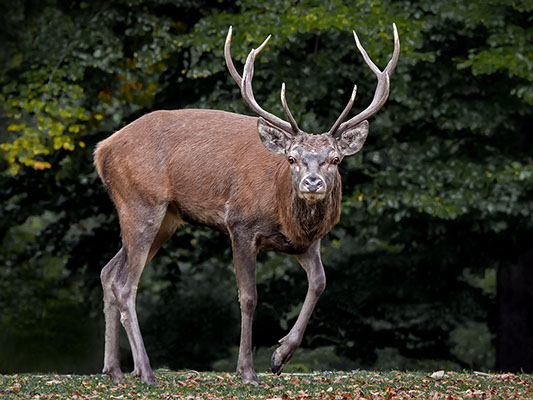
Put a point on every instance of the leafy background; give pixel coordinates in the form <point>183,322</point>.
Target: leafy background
<point>435,207</point>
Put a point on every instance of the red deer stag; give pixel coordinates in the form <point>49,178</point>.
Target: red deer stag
<point>279,190</point>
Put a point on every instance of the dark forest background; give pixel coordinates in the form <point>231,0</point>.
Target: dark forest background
<point>428,268</point>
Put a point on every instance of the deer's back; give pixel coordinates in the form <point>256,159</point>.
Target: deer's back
<point>199,161</point>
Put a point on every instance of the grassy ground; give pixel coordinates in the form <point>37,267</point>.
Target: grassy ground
<point>210,385</point>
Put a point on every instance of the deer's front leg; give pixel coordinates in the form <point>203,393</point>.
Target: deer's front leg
<point>244,258</point>
<point>312,264</point>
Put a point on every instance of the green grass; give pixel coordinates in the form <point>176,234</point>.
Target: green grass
<point>211,385</point>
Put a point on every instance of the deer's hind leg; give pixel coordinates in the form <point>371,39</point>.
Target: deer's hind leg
<point>112,318</point>
<point>140,224</point>
<point>170,223</point>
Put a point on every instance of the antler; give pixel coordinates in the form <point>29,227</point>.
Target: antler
<point>245,83</point>
<point>382,89</point>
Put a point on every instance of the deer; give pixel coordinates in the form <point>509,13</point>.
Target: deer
<point>261,180</point>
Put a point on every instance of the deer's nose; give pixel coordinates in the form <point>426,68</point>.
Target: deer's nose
<point>313,183</point>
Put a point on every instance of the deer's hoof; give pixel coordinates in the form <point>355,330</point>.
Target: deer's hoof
<point>276,363</point>
<point>251,381</point>
<point>115,374</point>
<point>249,377</point>
<point>147,376</point>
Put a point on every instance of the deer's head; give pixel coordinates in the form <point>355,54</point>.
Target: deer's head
<point>313,159</point>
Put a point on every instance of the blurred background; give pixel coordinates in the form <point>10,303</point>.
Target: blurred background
<point>431,265</point>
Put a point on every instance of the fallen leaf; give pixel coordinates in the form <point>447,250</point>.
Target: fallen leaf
<point>437,375</point>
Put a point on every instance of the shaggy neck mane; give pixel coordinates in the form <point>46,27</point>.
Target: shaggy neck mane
<point>302,221</point>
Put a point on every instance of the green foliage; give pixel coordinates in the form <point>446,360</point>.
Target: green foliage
<point>438,199</point>
<point>68,69</point>
<point>36,286</point>
<point>472,344</point>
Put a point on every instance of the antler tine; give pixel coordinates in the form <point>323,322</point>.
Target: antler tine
<point>288,113</point>
<point>229,61</point>
<point>382,89</point>
<point>363,52</point>
<point>245,84</point>
<point>396,53</point>
<point>248,95</point>
<point>344,113</point>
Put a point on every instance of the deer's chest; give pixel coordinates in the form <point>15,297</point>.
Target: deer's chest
<point>277,240</point>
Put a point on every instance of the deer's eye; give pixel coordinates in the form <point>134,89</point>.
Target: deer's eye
<point>335,161</point>
<point>291,160</point>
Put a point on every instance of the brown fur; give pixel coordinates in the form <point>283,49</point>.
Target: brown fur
<point>304,222</point>
<point>199,160</point>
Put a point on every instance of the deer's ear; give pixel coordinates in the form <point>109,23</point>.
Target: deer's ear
<point>352,140</point>
<point>274,139</point>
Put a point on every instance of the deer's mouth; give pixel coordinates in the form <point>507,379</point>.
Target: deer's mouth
<point>313,197</point>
